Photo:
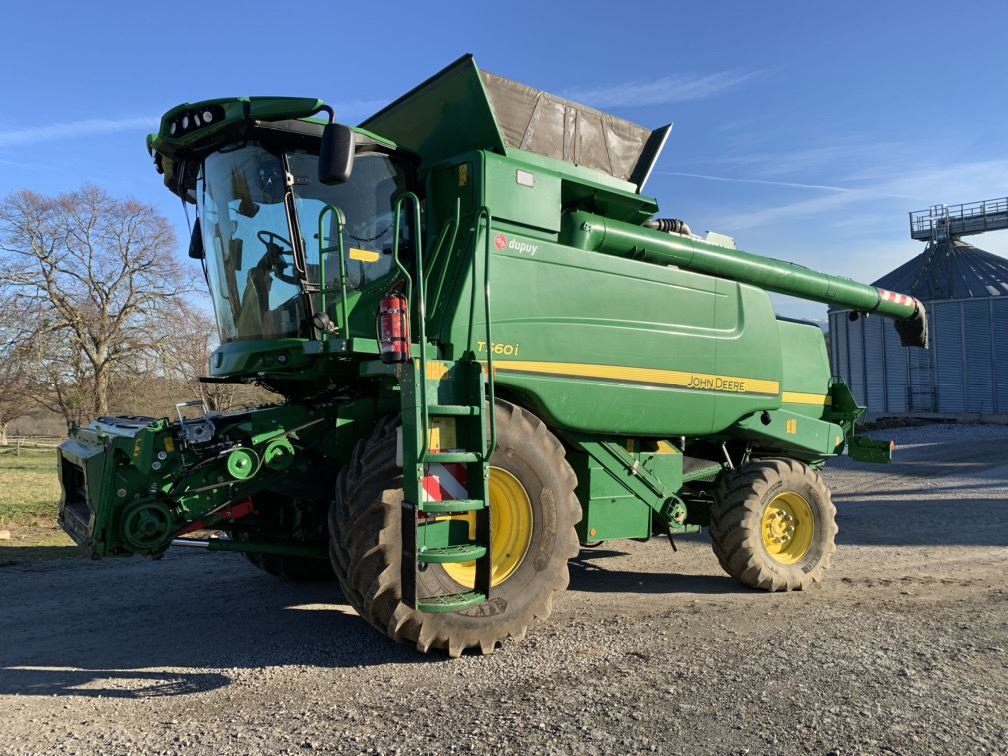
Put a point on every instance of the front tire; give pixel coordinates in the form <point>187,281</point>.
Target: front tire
<point>276,525</point>
<point>773,525</point>
<point>366,536</point>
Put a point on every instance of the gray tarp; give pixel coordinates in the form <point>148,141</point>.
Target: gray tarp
<point>462,108</point>
<point>539,122</point>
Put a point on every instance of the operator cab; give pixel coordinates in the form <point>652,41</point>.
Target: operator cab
<point>280,247</point>
<point>249,212</point>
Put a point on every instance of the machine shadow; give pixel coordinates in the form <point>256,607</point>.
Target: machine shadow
<point>882,493</point>
<point>106,683</point>
<point>938,521</point>
<point>121,627</point>
<point>588,572</point>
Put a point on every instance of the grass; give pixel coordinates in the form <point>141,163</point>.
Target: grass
<point>29,488</point>
<point>29,503</point>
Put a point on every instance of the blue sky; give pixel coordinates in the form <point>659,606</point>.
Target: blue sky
<point>805,130</point>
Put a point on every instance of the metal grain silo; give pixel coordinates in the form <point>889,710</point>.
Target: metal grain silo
<point>965,291</point>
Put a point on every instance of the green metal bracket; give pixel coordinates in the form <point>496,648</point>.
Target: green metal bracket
<point>843,408</point>
<point>653,481</point>
<point>634,477</point>
<point>869,450</point>
<point>799,434</point>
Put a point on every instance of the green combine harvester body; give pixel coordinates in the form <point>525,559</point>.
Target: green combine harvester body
<point>468,300</point>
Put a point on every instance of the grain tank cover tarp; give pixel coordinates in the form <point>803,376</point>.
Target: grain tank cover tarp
<point>534,120</point>
<point>462,108</point>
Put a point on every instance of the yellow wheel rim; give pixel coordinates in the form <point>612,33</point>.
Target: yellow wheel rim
<point>788,527</point>
<point>510,530</point>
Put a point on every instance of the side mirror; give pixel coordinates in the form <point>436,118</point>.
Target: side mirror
<point>196,251</point>
<point>336,154</point>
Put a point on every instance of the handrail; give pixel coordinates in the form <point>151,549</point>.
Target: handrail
<point>485,211</point>
<point>960,220</point>
<point>323,251</point>
<point>454,225</point>
<point>420,305</point>
<point>436,254</point>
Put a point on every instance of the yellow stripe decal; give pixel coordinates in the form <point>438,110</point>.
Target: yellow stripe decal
<point>664,447</point>
<point>699,381</point>
<point>363,255</point>
<point>436,370</point>
<point>797,397</point>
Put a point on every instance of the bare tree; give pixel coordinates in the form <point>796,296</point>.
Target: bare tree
<point>15,374</point>
<point>101,272</point>
<point>187,341</point>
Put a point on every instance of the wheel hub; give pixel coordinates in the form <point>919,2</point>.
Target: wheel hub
<point>511,530</point>
<point>788,527</point>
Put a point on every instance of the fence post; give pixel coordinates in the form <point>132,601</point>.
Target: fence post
<point>19,447</point>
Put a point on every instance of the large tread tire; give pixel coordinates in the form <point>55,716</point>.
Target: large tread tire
<point>366,531</point>
<point>737,525</point>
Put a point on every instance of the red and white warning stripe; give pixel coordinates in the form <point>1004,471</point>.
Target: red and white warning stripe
<point>901,299</point>
<point>445,482</point>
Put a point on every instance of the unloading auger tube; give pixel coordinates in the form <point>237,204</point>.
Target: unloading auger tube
<point>597,234</point>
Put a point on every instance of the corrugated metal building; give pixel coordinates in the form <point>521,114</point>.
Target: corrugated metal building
<point>965,291</point>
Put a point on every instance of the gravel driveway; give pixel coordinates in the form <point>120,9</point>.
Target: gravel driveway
<point>904,649</point>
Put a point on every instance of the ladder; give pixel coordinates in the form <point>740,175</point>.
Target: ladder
<point>448,436</point>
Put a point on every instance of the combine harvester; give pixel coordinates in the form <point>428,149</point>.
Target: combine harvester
<point>446,453</point>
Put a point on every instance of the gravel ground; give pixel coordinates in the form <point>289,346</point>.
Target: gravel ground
<point>904,648</point>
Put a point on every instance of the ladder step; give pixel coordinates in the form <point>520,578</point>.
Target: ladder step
<point>451,505</point>
<point>463,552</point>
<point>446,457</point>
<point>454,409</point>
<point>451,602</point>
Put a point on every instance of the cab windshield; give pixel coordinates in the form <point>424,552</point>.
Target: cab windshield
<point>246,215</point>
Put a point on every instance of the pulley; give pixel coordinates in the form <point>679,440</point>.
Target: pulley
<point>242,463</point>
<point>148,527</point>
<point>279,454</point>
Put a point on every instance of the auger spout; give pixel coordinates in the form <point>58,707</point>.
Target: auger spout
<point>598,234</point>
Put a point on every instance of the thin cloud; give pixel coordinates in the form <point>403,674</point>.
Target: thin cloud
<point>72,129</point>
<point>766,182</point>
<point>346,112</point>
<point>801,209</point>
<point>19,164</point>
<point>962,182</point>
<point>837,157</point>
<point>661,91</point>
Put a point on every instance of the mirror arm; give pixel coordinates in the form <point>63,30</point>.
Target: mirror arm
<point>332,113</point>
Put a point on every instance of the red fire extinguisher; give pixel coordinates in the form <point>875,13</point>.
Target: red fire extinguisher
<point>393,325</point>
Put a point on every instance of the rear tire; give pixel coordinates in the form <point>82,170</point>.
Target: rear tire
<point>365,544</point>
<point>773,525</point>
